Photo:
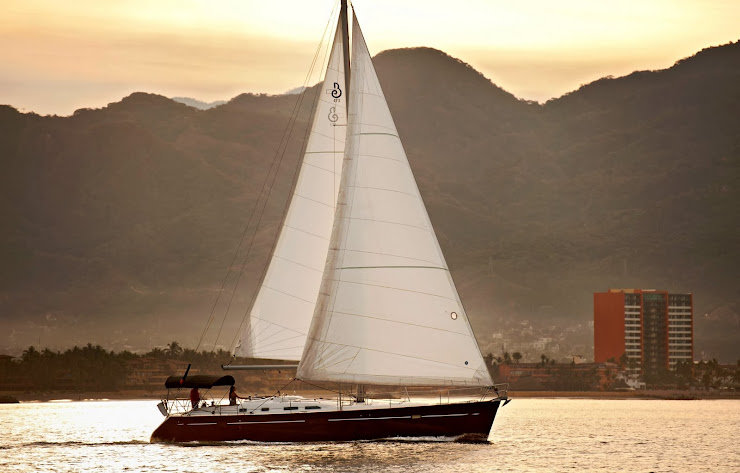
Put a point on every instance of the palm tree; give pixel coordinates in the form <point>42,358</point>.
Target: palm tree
<point>173,349</point>
<point>156,352</point>
<point>623,360</point>
<point>30,354</point>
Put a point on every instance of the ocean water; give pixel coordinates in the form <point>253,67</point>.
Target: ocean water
<point>529,435</point>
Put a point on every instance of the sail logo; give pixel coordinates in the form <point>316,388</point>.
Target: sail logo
<point>333,117</point>
<point>336,92</point>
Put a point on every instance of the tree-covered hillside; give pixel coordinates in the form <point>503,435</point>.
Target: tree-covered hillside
<point>119,224</point>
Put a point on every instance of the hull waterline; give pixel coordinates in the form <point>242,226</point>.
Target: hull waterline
<point>472,421</point>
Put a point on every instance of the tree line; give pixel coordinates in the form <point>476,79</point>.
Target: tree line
<point>92,367</point>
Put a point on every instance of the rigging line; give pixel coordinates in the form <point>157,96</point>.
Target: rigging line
<point>315,166</point>
<point>259,221</point>
<point>385,134</point>
<point>294,178</point>
<point>253,336</point>
<point>283,139</point>
<point>391,321</point>
<point>382,286</point>
<point>387,222</point>
<point>314,200</point>
<point>267,399</point>
<point>346,345</point>
<point>385,189</point>
<point>249,332</point>
<point>259,335</point>
<point>298,264</point>
<point>405,166</point>
<point>394,267</point>
<point>289,294</point>
<point>274,170</point>
<point>287,133</point>
<point>323,135</point>
<point>371,94</point>
<point>351,359</point>
<point>319,387</point>
<point>276,324</point>
<point>264,345</point>
<point>305,232</point>
<point>267,354</point>
<point>391,255</point>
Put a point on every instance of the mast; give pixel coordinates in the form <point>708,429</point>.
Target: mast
<point>345,45</point>
<point>347,73</point>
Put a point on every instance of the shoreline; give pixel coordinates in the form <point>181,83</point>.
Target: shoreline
<point>657,394</point>
<point>141,394</point>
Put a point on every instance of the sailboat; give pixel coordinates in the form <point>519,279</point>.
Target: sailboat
<point>357,290</point>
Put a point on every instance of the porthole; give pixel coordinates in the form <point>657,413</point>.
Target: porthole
<point>453,315</point>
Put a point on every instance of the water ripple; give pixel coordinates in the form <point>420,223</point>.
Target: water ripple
<point>530,435</point>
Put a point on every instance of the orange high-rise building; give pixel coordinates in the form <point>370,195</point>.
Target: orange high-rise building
<point>654,329</point>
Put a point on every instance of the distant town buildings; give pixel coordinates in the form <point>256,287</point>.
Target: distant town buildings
<point>548,375</point>
<point>654,329</point>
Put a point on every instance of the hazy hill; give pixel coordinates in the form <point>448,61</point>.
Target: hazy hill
<point>628,182</point>
<point>118,224</point>
<point>199,104</point>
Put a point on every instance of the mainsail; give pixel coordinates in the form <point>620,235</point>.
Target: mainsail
<point>281,314</point>
<point>388,311</point>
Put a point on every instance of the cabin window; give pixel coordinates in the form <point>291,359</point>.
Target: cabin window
<point>312,407</point>
<point>291,408</point>
<point>265,409</point>
<point>453,315</point>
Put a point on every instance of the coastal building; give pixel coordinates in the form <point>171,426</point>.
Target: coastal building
<point>654,329</point>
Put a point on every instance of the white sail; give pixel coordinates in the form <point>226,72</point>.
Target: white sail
<point>388,311</point>
<point>281,314</point>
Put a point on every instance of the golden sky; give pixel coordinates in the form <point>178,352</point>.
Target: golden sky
<point>58,56</point>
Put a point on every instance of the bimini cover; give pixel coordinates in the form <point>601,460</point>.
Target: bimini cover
<point>203,381</point>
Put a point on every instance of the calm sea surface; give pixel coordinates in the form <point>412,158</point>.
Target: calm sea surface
<point>535,435</point>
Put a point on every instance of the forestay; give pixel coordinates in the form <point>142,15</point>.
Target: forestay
<point>388,311</point>
<point>281,314</point>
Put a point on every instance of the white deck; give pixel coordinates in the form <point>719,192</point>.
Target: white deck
<point>285,405</point>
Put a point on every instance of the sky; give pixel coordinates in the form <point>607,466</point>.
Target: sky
<point>57,56</point>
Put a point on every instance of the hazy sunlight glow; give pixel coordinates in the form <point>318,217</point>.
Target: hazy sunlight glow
<point>63,56</point>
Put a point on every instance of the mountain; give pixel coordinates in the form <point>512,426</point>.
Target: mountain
<point>120,223</point>
<point>626,182</point>
<point>199,104</point>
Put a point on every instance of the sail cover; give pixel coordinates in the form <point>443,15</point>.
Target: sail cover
<point>388,311</point>
<point>281,314</point>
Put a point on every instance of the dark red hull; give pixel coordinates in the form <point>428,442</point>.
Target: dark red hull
<point>472,420</point>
